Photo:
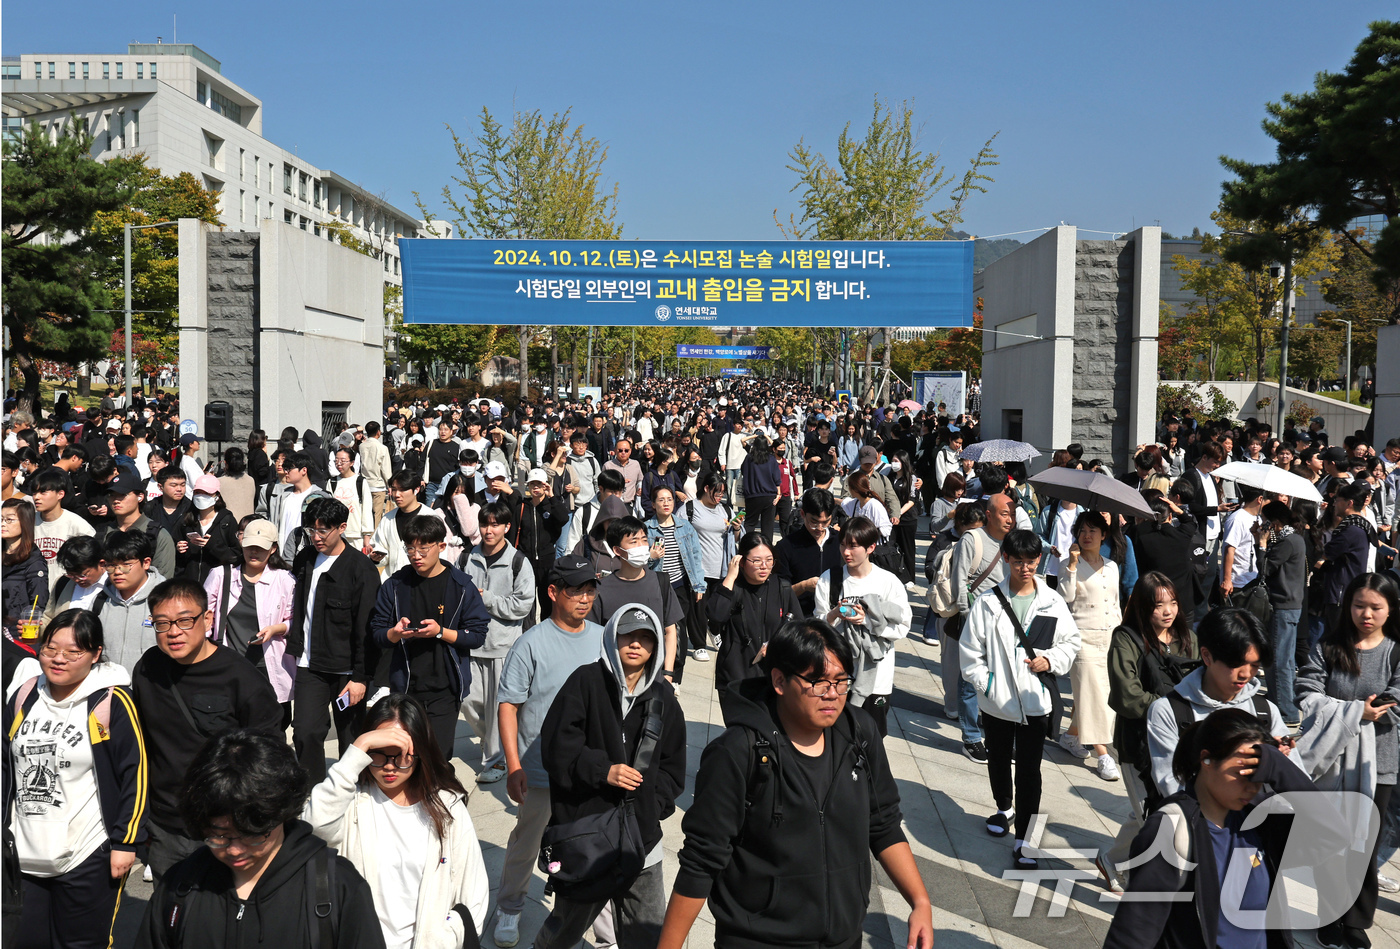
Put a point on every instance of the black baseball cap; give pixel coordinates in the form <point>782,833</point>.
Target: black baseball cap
<point>571,571</point>
<point>124,483</point>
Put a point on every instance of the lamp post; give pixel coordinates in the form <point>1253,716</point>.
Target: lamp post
<point>1346,383</point>
<point>126,272</point>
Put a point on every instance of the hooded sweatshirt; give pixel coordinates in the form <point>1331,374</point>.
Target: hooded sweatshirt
<point>126,624</point>
<point>276,911</point>
<point>1161,723</point>
<point>78,785</point>
<point>595,722</point>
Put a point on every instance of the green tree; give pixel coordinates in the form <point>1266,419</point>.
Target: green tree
<point>541,179</point>
<point>52,297</point>
<point>1338,157</point>
<point>880,188</point>
<point>155,260</point>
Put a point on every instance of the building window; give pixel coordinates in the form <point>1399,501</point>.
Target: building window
<point>9,71</point>
<point>286,179</point>
<point>14,128</point>
<point>304,222</point>
<point>316,193</point>
<point>214,148</point>
<point>256,208</point>
<point>257,172</point>
<point>38,70</point>
<point>72,70</point>
<point>316,228</point>
<point>51,72</point>
<point>301,186</point>
<point>106,70</point>
<point>135,128</point>
<point>153,70</point>
<point>289,217</point>
<point>119,70</point>
<point>140,70</point>
<point>85,71</point>
<point>242,207</point>
<point>240,164</point>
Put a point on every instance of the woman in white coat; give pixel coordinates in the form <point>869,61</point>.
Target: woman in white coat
<point>1089,583</point>
<point>393,807</point>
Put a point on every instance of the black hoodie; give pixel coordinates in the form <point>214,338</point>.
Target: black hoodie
<point>779,867</point>
<point>277,914</point>
<point>320,471</point>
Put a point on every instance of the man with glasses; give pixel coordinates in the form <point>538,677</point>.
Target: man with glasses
<point>121,601</point>
<point>330,634</point>
<point>631,470</point>
<point>188,690</point>
<point>81,583</point>
<point>124,495</point>
<point>805,554</point>
<point>536,667</point>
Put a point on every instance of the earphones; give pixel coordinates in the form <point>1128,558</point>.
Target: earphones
<point>1205,761</point>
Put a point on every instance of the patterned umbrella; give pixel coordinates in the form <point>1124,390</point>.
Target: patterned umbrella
<point>1000,449</point>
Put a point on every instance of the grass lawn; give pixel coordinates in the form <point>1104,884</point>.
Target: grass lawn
<point>47,389</point>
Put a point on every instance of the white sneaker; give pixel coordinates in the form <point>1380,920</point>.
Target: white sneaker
<point>1071,744</point>
<point>507,929</point>
<point>1387,884</point>
<point>1107,769</point>
<point>146,875</point>
<point>490,776</point>
<point>701,655</point>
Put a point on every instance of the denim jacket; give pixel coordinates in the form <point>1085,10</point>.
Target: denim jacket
<point>690,549</point>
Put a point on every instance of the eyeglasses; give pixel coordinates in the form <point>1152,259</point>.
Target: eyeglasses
<point>184,622</point>
<point>825,686</point>
<point>53,652</point>
<point>120,569</point>
<point>247,840</point>
<point>581,593</point>
<point>403,762</point>
<point>320,533</point>
<point>765,562</point>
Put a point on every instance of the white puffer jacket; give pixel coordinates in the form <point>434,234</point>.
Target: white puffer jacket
<point>994,662</point>
<point>454,873</point>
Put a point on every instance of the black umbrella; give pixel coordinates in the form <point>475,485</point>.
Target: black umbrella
<point>1092,490</point>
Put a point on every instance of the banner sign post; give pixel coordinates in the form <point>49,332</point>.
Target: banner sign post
<point>736,371</point>
<point>649,369</point>
<point>686,351</point>
<point>949,388</point>
<point>866,284</point>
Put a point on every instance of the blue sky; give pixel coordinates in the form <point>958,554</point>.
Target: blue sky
<point>1111,115</point>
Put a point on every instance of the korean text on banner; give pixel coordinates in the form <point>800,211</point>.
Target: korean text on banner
<point>695,283</point>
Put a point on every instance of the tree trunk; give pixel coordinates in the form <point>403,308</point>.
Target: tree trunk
<point>84,379</point>
<point>553,358</point>
<point>573,369</point>
<point>28,400</point>
<point>885,360</point>
<point>524,333</point>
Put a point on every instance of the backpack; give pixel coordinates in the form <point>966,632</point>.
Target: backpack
<point>1186,717</point>
<point>761,765</point>
<point>320,902</point>
<point>690,510</point>
<point>942,598</point>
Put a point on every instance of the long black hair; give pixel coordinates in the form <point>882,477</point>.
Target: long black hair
<point>1339,642</point>
<point>433,774</point>
<point>1142,603</point>
<point>1217,736</point>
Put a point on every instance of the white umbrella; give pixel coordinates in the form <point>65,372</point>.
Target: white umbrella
<point>1269,478</point>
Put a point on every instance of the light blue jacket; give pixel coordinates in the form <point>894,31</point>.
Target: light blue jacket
<point>690,549</point>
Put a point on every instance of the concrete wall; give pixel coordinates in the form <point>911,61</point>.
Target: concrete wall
<point>280,324</point>
<point>1092,376</point>
<point>1387,384</point>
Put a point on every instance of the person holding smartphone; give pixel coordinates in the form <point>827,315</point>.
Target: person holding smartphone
<point>1355,670</point>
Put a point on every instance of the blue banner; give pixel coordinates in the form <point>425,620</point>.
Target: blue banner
<point>736,371</point>
<point>688,283</point>
<point>686,351</point>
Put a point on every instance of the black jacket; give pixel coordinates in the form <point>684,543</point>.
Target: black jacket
<point>277,912</point>
<point>320,470</point>
<point>583,736</point>
<point>463,611</point>
<point>342,640</point>
<point>1192,924</point>
<point>747,617</point>
<point>1199,510</point>
<point>779,867</point>
<point>1178,552</point>
<point>155,510</point>
<point>25,584</point>
<point>537,528</point>
<point>221,550</point>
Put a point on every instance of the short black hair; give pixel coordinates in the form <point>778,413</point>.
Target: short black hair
<point>170,472</point>
<point>179,588</point>
<point>297,459</point>
<point>248,776</point>
<point>406,480</point>
<point>122,442</point>
<point>816,501</point>
<point>1184,492</point>
<point>80,553</point>
<point>425,530</point>
<point>860,531</point>
<point>126,545</point>
<point>1228,632</point>
<point>610,479</point>
<point>822,471</point>
<point>799,647</point>
<point>53,479</point>
<point>620,528</point>
<point>1248,493</point>
<point>994,480</point>
<point>577,436</point>
<point>325,512</point>
<point>498,511</point>
<point>1022,545</point>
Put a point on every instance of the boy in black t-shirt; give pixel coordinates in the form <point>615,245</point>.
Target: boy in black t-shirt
<point>633,582</point>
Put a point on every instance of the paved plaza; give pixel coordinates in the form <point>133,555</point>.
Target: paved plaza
<point>944,797</point>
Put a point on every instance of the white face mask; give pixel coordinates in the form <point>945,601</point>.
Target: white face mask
<point>204,501</point>
<point>539,429</point>
<point>894,466</point>
<point>637,556</point>
<point>468,469</point>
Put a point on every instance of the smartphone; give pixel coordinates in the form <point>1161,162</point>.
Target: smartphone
<point>342,701</point>
<point>193,536</point>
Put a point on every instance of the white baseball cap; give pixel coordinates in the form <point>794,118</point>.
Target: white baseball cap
<point>537,474</point>
<point>495,469</point>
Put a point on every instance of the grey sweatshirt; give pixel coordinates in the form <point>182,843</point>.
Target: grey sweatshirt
<point>1376,679</point>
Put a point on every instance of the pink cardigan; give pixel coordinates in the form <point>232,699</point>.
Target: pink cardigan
<point>274,606</point>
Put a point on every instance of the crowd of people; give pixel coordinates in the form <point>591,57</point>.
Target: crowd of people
<point>182,633</point>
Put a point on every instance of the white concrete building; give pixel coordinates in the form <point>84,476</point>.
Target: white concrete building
<point>172,102</point>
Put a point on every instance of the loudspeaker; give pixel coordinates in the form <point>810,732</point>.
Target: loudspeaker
<point>218,422</point>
